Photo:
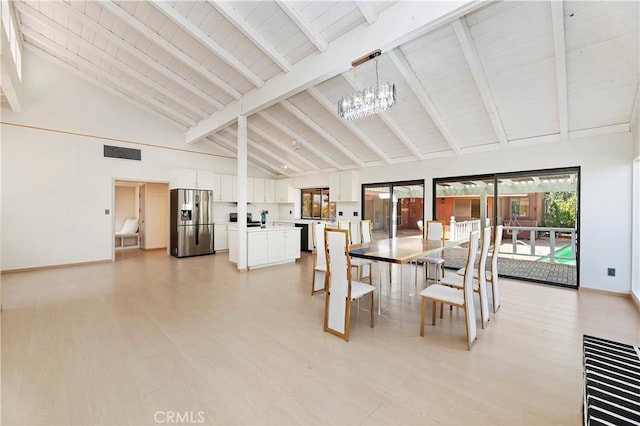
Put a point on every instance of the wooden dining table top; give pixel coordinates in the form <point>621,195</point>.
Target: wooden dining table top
<point>400,250</point>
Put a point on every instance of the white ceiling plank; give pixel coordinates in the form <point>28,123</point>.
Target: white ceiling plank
<point>127,98</point>
<point>367,11</point>
<point>410,76</point>
<point>253,158</point>
<point>557,20</point>
<point>636,107</point>
<point>314,36</point>
<point>203,38</point>
<point>391,124</point>
<point>142,56</point>
<point>252,143</point>
<point>326,103</point>
<point>122,67</point>
<point>132,22</point>
<point>393,27</point>
<point>283,146</point>
<point>234,155</point>
<point>62,51</point>
<point>473,60</point>
<point>227,10</point>
<point>322,132</point>
<point>576,134</point>
<point>308,145</point>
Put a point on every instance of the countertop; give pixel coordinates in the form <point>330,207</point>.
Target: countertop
<point>234,227</point>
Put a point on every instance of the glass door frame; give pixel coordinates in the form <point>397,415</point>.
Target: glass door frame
<point>390,186</point>
<point>525,173</point>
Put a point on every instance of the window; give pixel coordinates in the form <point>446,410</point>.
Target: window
<point>520,207</point>
<point>316,204</point>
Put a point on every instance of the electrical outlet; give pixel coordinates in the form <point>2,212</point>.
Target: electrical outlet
<point>355,214</point>
<point>339,213</point>
<point>106,211</point>
<point>290,211</point>
<point>611,272</point>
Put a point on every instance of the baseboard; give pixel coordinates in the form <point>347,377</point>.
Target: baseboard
<point>636,301</point>
<point>607,292</point>
<point>64,265</point>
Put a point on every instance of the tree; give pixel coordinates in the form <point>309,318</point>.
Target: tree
<point>560,209</point>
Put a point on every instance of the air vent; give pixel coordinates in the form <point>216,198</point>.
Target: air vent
<point>124,153</point>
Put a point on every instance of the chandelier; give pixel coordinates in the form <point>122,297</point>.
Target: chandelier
<point>369,101</point>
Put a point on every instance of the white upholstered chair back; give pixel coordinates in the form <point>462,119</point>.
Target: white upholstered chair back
<point>435,230</point>
<point>468,286</point>
<point>366,231</point>
<point>338,292</point>
<point>482,275</point>
<point>346,224</point>
<point>495,287</point>
<point>318,243</point>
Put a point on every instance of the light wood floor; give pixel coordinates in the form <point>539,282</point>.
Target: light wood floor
<point>117,343</point>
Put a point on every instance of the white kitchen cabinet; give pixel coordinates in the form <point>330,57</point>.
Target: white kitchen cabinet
<point>227,190</point>
<point>344,187</point>
<point>292,243</point>
<point>184,178</point>
<point>269,191</point>
<point>266,246</point>
<point>220,240</point>
<point>276,244</point>
<point>205,180</point>
<point>285,193</point>
<point>192,179</point>
<point>257,248</point>
<point>258,190</point>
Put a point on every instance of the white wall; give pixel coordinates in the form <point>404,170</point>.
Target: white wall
<point>125,205</point>
<point>56,186</point>
<point>635,197</point>
<point>605,210</point>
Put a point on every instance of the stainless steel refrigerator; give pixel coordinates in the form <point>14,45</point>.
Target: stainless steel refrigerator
<point>191,222</point>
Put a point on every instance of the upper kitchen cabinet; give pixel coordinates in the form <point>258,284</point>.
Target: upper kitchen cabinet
<point>344,187</point>
<point>192,179</point>
<point>285,193</point>
<point>264,190</point>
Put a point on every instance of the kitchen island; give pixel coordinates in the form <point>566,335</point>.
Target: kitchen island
<point>268,246</point>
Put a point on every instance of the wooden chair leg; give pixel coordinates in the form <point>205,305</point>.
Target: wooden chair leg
<point>371,310</point>
<point>481,310</point>
<point>433,316</point>
<point>466,326</point>
<point>441,310</point>
<point>422,309</point>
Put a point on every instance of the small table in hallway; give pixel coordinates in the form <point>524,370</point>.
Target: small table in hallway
<point>399,251</point>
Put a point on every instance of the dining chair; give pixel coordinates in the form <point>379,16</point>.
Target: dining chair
<point>341,289</point>
<point>459,297</point>
<point>363,266</point>
<point>435,232</point>
<point>491,276</point>
<point>479,278</point>
<point>319,280</point>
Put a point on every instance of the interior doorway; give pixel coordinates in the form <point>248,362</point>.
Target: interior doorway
<point>141,216</point>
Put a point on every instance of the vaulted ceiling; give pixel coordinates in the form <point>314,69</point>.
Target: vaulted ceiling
<point>469,76</point>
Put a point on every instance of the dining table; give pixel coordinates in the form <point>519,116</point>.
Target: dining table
<point>400,250</point>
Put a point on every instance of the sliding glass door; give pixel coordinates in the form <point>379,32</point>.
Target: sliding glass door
<point>538,209</point>
<point>394,208</point>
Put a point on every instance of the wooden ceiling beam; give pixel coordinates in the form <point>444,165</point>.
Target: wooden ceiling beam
<point>557,20</point>
<point>215,48</point>
<point>178,54</point>
<point>226,9</point>
<point>296,112</point>
<point>305,143</point>
<point>418,90</point>
<point>401,22</point>
<point>314,36</point>
<point>330,107</point>
<point>473,60</point>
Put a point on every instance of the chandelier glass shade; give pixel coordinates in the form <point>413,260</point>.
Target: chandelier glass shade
<point>369,101</point>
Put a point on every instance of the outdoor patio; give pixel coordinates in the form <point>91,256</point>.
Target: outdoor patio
<point>518,268</point>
